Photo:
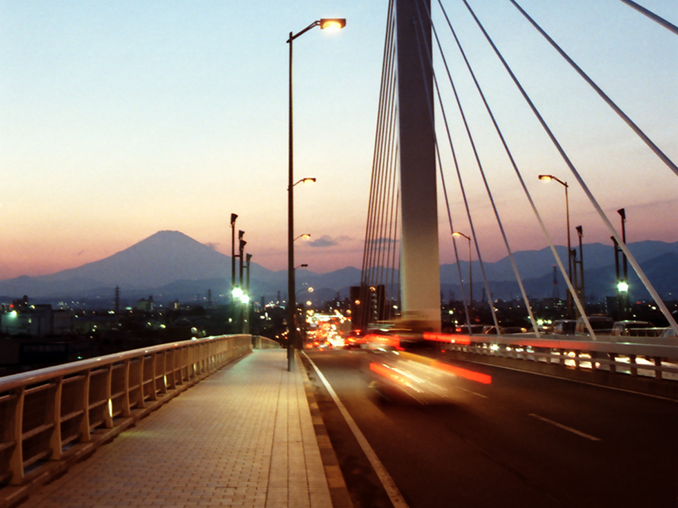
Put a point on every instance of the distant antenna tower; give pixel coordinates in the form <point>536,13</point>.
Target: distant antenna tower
<point>117,299</point>
<point>555,283</point>
<point>209,298</point>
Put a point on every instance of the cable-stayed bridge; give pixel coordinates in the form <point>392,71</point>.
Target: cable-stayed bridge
<point>474,137</point>
<point>529,419</point>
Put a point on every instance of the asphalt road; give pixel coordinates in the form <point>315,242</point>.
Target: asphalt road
<point>524,440</point>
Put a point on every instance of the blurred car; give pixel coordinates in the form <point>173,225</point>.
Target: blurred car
<point>668,333</point>
<point>629,328</point>
<point>600,323</point>
<point>564,326</point>
<point>354,339</point>
<point>474,329</point>
<point>505,330</point>
<point>405,376</point>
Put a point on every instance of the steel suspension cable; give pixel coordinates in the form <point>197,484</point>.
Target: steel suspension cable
<point>487,188</point>
<point>600,92</point>
<point>368,248</point>
<point>666,24</point>
<point>419,34</point>
<point>375,256</point>
<point>579,178</point>
<point>515,167</point>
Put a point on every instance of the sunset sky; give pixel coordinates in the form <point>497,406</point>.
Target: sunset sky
<point>122,118</point>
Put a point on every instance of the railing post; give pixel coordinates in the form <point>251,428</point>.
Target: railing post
<point>170,365</point>
<point>613,363</point>
<point>154,390</point>
<point>632,365</point>
<point>141,399</point>
<point>85,434</point>
<point>126,410</point>
<point>54,410</point>
<point>108,410</point>
<point>163,381</point>
<point>16,461</point>
<point>658,368</point>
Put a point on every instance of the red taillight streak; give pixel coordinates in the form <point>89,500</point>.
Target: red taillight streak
<point>389,374</point>
<point>448,337</point>
<point>458,371</point>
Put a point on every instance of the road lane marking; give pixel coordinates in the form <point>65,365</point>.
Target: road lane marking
<point>565,427</point>
<point>472,392</point>
<point>389,485</point>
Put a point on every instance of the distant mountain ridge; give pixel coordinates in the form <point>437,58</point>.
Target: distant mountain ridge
<point>172,265</point>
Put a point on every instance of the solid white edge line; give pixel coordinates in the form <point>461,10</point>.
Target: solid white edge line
<point>385,478</point>
<point>565,427</point>
<point>472,392</point>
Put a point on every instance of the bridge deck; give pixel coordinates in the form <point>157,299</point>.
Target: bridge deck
<point>242,437</point>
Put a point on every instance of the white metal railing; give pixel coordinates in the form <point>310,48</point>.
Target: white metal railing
<point>645,356</point>
<point>46,414</point>
<point>259,342</point>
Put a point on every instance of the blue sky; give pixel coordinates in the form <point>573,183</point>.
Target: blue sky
<point>123,118</point>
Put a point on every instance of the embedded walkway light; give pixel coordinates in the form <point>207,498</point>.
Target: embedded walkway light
<point>548,178</point>
<point>324,23</point>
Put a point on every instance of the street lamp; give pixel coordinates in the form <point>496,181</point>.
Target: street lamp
<point>306,180</point>
<point>623,286</point>
<point>305,236</point>
<point>548,178</point>
<point>470,272</point>
<point>234,216</point>
<point>324,23</point>
<point>246,297</point>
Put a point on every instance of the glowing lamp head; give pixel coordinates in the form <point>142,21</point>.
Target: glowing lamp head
<point>332,24</point>
<point>623,287</point>
<point>237,293</point>
<point>245,298</point>
<point>546,178</point>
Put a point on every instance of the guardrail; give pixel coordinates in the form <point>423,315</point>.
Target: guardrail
<point>616,354</point>
<point>259,342</point>
<point>51,417</point>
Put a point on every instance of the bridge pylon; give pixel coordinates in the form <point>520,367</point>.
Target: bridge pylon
<point>419,258</point>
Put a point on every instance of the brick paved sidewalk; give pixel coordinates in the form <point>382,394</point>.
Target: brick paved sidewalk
<point>242,437</point>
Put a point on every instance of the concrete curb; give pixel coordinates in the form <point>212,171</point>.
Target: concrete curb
<point>341,498</point>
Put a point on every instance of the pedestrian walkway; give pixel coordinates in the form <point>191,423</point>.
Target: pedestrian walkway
<point>242,437</point>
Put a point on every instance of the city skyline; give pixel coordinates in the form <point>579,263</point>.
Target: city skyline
<point>123,120</point>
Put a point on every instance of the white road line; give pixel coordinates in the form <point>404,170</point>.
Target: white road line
<point>565,427</point>
<point>472,392</point>
<point>386,480</point>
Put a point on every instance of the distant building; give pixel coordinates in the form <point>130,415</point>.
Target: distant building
<point>21,318</point>
<point>83,324</point>
<point>145,305</point>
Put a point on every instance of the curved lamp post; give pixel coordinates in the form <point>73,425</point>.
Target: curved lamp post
<point>325,23</point>
<point>548,178</point>
<point>470,272</point>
